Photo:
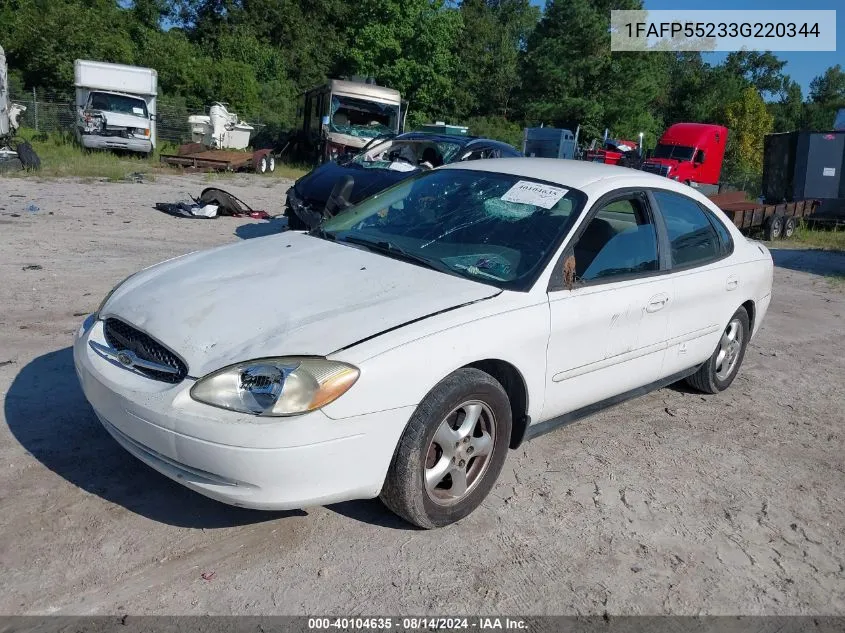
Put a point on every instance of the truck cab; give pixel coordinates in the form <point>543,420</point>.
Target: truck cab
<point>691,153</point>
<point>341,117</point>
<point>116,106</point>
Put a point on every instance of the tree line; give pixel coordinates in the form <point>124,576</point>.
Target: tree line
<point>495,65</point>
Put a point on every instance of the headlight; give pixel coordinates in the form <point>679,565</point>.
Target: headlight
<point>276,386</point>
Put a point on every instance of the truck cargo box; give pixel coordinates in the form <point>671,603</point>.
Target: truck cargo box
<point>803,165</point>
<point>116,77</point>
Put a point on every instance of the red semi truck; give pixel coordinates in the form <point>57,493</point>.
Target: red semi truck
<point>691,153</point>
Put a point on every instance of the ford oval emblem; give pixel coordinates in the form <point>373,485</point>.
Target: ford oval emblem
<point>125,359</point>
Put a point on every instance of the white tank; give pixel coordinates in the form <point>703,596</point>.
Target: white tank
<point>5,126</point>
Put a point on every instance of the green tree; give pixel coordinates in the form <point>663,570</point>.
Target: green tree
<point>827,95</point>
<point>493,35</point>
<point>407,45</point>
<point>788,111</point>
<point>748,121</point>
<point>571,77</point>
<point>42,38</point>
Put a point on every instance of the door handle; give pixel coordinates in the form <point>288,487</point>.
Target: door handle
<point>732,283</point>
<point>657,302</point>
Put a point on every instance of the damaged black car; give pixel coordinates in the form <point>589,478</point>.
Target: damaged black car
<point>332,186</point>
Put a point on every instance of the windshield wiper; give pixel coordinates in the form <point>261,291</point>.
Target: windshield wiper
<point>391,250</point>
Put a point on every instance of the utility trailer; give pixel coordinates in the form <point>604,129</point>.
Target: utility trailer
<point>201,157</point>
<point>774,220</point>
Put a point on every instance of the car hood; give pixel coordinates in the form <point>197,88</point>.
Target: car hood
<point>288,294</point>
<point>316,186</point>
<point>118,119</point>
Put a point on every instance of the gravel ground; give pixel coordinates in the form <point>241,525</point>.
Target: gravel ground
<point>674,503</point>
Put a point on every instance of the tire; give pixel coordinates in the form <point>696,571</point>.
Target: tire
<point>294,223</point>
<point>773,228</point>
<point>449,404</point>
<point>713,376</point>
<point>788,227</point>
<point>261,167</point>
<point>271,163</point>
<point>29,159</point>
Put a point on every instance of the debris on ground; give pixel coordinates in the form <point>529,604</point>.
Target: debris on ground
<point>208,575</point>
<point>32,267</point>
<point>212,202</point>
<point>33,208</point>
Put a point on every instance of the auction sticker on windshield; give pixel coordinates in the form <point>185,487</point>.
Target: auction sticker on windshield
<point>527,192</point>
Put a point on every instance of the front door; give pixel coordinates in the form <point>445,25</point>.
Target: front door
<point>609,329</point>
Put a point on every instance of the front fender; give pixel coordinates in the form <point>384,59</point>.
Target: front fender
<point>400,367</point>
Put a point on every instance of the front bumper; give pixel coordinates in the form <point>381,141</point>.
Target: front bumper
<point>94,141</point>
<point>288,463</point>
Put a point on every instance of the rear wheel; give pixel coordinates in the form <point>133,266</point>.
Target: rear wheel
<point>721,368</point>
<point>261,166</point>
<point>271,163</point>
<point>451,452</point>
<point>788,227</point>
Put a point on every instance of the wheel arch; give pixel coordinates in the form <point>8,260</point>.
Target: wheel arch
<point>750,309</point>
<point>515,387</point>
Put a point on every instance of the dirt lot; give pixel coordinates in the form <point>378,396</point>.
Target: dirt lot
<point>673,503</point>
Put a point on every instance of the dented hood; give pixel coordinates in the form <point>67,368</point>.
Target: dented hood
<point>118,119</point>
<point>287,294</point>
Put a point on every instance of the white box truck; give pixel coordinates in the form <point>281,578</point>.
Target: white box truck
<point>116,106</point>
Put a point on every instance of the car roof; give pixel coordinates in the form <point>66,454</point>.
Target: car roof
<point>571,173</point>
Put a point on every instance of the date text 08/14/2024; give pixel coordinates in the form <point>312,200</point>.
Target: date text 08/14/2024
<point>421,623</point>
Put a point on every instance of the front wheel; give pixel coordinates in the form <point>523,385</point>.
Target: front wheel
<point>721,368</point>
<point>452,451</point>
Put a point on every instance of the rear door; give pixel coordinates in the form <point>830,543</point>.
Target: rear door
<point>704,282</point>
<point>610,324</point>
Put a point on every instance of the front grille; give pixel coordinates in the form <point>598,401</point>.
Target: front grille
<point>121,336</point>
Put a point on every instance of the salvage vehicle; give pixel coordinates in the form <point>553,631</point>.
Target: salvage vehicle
<point>405,345</point>
<point>116,106</point>
<point>382,163</point>
<point>15,154</point>
<point>690,153</point>
<point>342,116</point>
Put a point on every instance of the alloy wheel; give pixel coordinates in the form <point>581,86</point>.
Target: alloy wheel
<point>459,453</point>
<point>730,346</point>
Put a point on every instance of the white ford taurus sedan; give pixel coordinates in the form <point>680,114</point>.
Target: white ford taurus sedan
<point>403,347</point>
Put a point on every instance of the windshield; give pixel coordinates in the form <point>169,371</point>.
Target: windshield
<point>117,103</point>
<point>399,154</point>
<point>676,152</point>
<point>358,117</point>
<point>493,228</point>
